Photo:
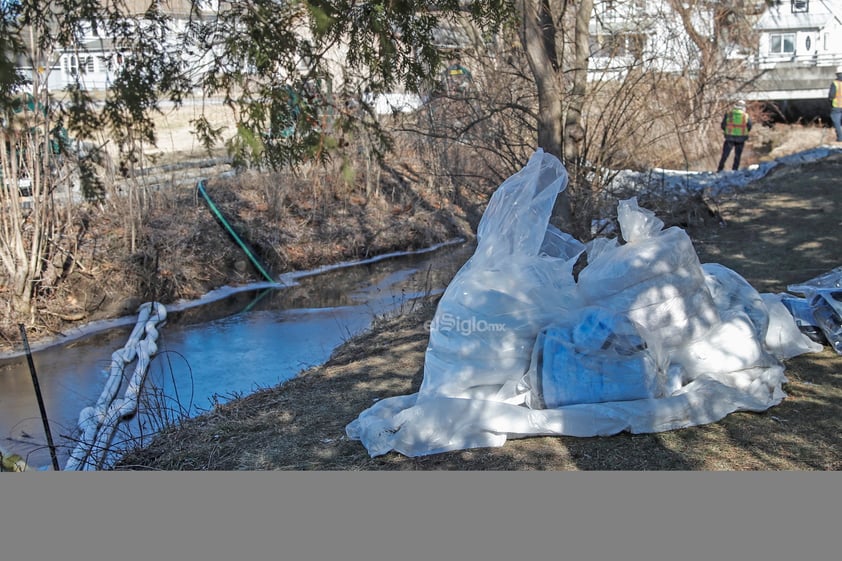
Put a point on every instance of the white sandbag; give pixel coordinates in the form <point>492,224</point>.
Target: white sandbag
<point>484,329</point>
<point>623,266</point>
<point>731,346</point>
<point>776,327</point>
<point>647,253</point>
<point>655,277</point>
<point>674,307</point>
<point>517,215</point>
<point>732,293</point>
<point>485,325</point>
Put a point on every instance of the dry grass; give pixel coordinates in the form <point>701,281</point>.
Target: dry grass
<point>785,229</point>
<point>290,224</point>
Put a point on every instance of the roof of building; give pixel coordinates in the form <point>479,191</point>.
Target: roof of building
<point>774,19</point>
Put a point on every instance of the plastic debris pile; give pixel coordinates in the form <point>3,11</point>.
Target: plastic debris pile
<point>819,312</point>
<point>646,339</point>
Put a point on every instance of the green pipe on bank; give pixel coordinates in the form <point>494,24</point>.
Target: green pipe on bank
<point>227,226</point>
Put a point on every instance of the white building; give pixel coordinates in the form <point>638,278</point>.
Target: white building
<point>800,46</point>
<point>803,33</point>
<point>625,33</point>
<point>95,60</point>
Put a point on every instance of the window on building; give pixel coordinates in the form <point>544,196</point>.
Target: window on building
<point>595,46</point>
<point>626,5</point>
<point>86,64</point>
<point>617,45</point>
<point>782,43</point>
<point>618,10</point>
<point>70,65</point>
<point>800,6</point>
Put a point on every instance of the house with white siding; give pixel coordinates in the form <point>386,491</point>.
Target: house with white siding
<point>625,33</point>
<point>800,46</point>
<point>95,60</point>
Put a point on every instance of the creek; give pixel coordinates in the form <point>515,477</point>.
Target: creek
<point>226,345</point>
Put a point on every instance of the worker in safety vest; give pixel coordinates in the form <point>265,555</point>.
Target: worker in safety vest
<point>736,125</point>
<point>457,78</point>
<point>834,96</point>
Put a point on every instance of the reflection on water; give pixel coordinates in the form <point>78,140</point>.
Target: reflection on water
<point>211,353</point>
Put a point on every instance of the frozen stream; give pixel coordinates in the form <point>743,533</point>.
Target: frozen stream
<point>227,345</point>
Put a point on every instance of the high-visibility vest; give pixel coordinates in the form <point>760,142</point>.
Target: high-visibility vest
<point>736,123</point>
<point>457,70</point>
<point>837,101</point>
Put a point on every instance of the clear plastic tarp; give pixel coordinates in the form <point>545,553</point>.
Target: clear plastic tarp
<point>647,339</point>
<point>822,306</point>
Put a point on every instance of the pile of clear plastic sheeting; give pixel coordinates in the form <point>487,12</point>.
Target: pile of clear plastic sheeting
<point>819,312</point>
<point>646,339</point>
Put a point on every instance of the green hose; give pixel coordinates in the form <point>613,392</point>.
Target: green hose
<point>231,231</point>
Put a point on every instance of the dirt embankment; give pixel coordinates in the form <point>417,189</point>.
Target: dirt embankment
<point>166,244</point>
<point>182,251</point>
<point>784,229</point>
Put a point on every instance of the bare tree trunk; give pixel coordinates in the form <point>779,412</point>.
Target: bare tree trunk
<point>538,38</point>
<point>13,251</point>
<point>573,129</point>
<point>534,37</point>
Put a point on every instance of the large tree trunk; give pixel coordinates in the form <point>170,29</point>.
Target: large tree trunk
<point>537,33</point>
<point>573,129</point>
<point>538,38</point>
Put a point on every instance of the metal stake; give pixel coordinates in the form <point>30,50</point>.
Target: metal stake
<point>40,400</point>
